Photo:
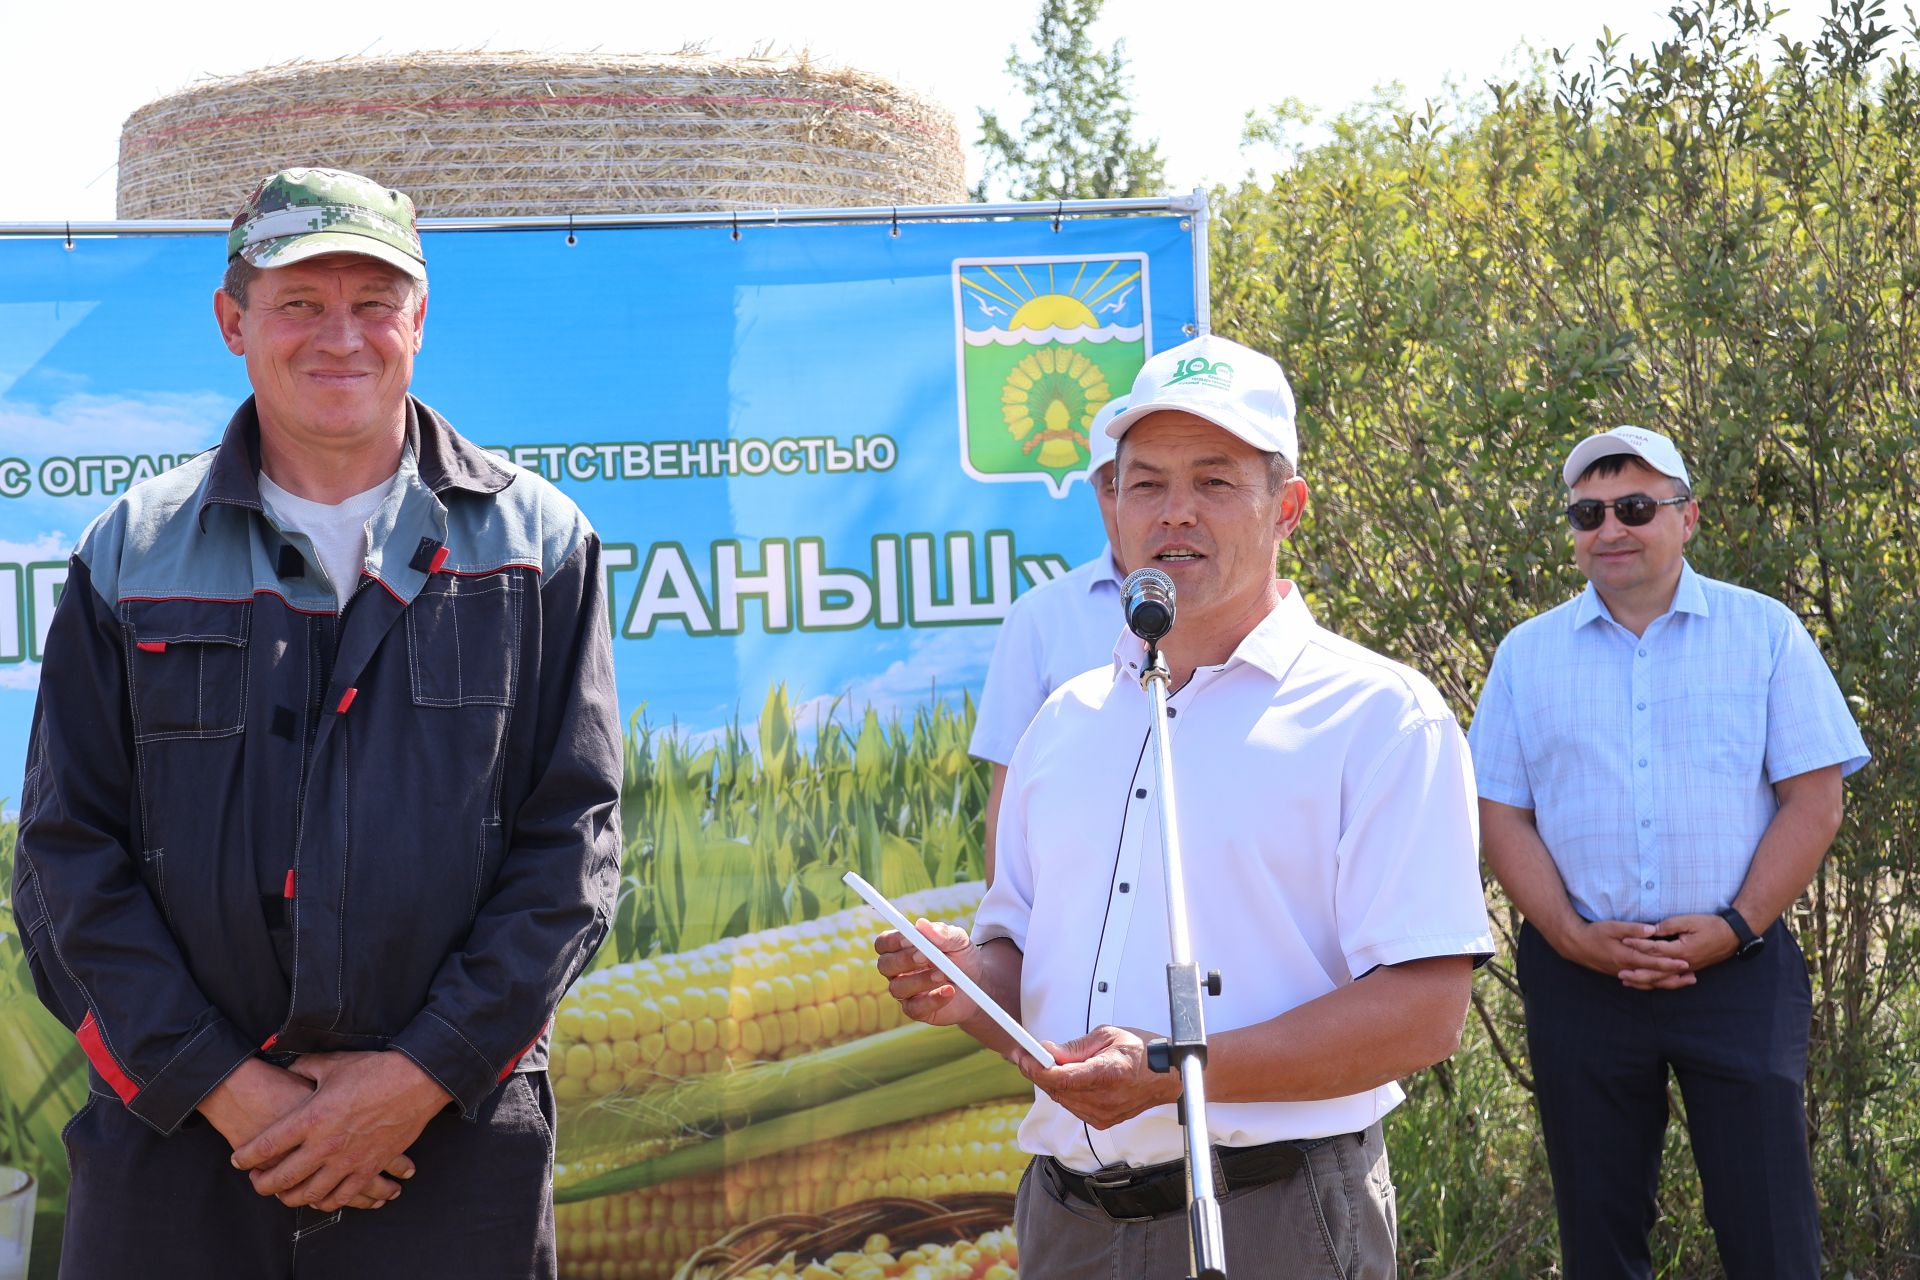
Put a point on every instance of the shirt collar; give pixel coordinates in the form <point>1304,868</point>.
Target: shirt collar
<point>448,460</point>
<point>1688,597</point>
<point>1282,634</point>
<point>1272,646</point>
<point>1106,571</point>
<point>445,460</point>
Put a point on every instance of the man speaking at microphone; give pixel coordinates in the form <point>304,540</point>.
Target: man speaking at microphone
<point>1331,864</point>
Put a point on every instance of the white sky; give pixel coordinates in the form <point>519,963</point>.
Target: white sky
<point>71,73</point>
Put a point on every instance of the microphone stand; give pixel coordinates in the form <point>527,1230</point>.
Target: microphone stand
<point>1185,1050</point>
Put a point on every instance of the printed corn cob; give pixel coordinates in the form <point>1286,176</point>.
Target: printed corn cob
<point>762,997</point>
<point>992,1256</point>
<point>833,1094</point>
<point>646,1234</point>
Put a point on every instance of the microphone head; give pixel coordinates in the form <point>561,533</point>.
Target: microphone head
<point>1147,597</point>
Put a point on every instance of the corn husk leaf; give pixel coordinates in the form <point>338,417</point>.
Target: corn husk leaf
<point>980,1076</point>
<point>707,1106</point>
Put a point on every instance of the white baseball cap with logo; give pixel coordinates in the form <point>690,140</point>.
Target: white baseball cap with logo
<point>1650,447</point>
<point>1235,388</point>
<point>1100,445</point>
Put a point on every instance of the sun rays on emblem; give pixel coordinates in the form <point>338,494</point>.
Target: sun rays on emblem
<point>1071,307</point>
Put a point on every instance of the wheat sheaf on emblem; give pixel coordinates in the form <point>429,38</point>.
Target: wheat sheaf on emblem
<point>1050,400</point>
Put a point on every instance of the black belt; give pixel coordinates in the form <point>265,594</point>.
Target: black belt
<point>1153,1191</point>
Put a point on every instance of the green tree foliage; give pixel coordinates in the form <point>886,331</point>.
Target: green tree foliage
<point>1077,141</point>
<point>1716,239</point>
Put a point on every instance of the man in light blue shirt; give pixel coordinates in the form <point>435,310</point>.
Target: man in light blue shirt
<point>1052,633</point>
<point>1659,762</point>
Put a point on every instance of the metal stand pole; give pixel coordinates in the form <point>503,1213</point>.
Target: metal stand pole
<point>1185,1050</point>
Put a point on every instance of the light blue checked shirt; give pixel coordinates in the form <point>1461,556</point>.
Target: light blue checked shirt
<point>1649,762</point>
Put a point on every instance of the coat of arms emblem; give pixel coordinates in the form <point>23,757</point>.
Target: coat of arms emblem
<point>1042,344</point>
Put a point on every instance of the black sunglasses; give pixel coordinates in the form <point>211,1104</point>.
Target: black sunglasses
<point>1635,509</point>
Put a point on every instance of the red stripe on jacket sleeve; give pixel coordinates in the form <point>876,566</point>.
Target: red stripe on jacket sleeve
<point>508,1069</point>
<point>96,1050</point>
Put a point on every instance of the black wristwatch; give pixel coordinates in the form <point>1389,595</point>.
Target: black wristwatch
<point>1747,943</point>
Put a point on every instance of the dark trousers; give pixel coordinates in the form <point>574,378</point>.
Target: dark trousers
<point>480,1206</point>
<point>1736,1041</point>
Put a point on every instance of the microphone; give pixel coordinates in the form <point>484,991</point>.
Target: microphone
<point>1147,597</point>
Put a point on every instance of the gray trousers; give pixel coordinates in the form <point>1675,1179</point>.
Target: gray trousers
<point>1331,1221</point>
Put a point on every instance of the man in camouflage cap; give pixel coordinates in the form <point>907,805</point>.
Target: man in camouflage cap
<point>321,810</point>
<point>299,214</point>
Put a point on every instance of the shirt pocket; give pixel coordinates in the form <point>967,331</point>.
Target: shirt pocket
<point>463,640</point>
<point>1726,726</point>
<point>187,666</point>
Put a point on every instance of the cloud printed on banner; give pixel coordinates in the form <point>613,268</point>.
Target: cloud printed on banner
<point>940,665</point>
<point>82,425</point>
<point>52,545</point>
<point>135,423</point>
<point>152,425</point>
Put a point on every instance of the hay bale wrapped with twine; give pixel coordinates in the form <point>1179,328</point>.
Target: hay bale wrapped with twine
<point>490,134</point>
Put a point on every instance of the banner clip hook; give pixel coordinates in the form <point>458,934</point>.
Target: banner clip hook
<point>69,237</point>
<point>736,224</point>
<point>1056,216</point>
<point>571,239</point>
<point>896,222</point>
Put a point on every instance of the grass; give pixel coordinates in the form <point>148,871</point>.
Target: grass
<point>1476,1203</point>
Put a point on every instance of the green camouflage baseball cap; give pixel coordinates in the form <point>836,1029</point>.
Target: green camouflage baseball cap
<point>302,213</point>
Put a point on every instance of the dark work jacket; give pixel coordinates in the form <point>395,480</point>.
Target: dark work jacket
<point>249,823</point>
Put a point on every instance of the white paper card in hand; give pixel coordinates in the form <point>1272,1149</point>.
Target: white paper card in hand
<point>944,963</point>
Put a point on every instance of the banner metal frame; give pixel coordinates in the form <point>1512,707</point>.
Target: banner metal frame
<point>1193,204</point>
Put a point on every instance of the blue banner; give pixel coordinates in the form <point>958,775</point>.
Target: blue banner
<point>823,461</point>
<point>795,444</point>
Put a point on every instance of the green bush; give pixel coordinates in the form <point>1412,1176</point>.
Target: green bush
<point>1718,240</point>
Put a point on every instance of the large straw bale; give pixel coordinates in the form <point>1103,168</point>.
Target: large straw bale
<point>476,134</point>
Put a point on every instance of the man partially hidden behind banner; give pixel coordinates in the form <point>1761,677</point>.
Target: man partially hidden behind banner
<point>1659,769</point>
<point>1329,838</point>
<point>1052,634</point>
<point>321,807</point>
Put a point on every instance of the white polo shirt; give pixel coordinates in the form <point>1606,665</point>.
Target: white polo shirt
<point>1329,825</point>
<point>1052,634</point>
